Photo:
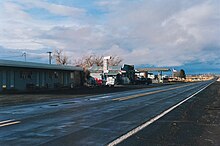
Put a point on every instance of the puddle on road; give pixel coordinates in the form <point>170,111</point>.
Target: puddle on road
<point>99,98</point>
<point>73,102</point>
<point>53,105</point>
<point>43,134</point>
<point>19,112</point>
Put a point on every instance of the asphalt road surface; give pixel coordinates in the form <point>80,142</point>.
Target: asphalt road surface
<point>194,123</point>
<point>94,120</point>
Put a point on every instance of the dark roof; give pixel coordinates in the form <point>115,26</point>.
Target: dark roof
<point>154,69</point>
<point>21,64</point>
<point>95,68</point>
<point>114,68</point>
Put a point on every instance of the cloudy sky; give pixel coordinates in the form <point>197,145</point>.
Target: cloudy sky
<point>173,33</point>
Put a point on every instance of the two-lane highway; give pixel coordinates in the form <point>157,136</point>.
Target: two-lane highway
<point>94,120</point>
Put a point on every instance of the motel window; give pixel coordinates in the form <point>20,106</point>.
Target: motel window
<point>29,75</point>
<point>22,76</point>
<point>56,75</point>
<point>25,74</point>
<point>50,75</point>
<point>72,75</point>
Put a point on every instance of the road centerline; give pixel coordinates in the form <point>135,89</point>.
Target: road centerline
<point>148,93</point>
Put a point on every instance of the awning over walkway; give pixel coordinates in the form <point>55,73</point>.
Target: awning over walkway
<point>153,69</point>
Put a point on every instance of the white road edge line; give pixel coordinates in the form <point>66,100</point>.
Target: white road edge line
<point>139,128</point>
<point>6,121</point>
<point>11,123</point>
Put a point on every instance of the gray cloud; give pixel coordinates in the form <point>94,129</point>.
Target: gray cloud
<point>172,32</point>
<point>160,33</point>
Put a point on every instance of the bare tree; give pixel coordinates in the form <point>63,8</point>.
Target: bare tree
<point>90,60</point>
<point>61,57</point>
<point>115,60</point>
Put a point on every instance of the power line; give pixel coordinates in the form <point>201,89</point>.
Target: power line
<point>10,56</point>
<point>24,54</point>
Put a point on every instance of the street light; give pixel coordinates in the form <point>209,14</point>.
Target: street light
<point>50,57</point>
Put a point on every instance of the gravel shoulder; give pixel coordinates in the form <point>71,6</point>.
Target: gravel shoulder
<point>194,123</point>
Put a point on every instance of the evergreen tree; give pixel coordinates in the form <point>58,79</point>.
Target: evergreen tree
<point>182,74</point>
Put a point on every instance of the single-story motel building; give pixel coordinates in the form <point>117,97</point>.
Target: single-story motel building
<point>24,76</point>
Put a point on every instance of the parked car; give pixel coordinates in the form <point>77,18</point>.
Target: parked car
<point>142,80</point>
<point>98,81</point>
<point>149,81</point>
<point>125,80</point>
<point>111,81</point>
<point>90,82</point>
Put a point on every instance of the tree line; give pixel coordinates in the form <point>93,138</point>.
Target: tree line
<point>86,61</point>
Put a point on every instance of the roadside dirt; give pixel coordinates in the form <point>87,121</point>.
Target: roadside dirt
<point>40,95</point>
<point>195,123</point>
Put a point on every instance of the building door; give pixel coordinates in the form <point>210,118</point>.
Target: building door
<point>43,76</point>
<point>65,78</point>
<point>12,79</point>
<point>37,79</point>
<point>61,78</point>
<point>4,79</point>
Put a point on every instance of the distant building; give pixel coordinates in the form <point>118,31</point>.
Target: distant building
<point>16,75</point>
<point>123,74</point>
<point>147,73</point>
<point>175,73</point>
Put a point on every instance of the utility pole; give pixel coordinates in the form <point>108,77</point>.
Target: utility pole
<point>50,57</point>
<point>25,56</point>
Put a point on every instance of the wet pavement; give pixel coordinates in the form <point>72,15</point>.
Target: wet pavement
<point>195,123</point>
<point>14,98</point>
<point>93,120</point>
